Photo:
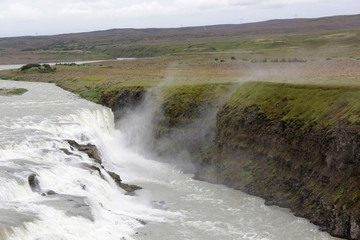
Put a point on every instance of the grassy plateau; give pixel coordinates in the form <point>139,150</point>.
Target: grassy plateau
<point>302,51</point>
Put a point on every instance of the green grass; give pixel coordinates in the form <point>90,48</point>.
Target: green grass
<point>91,79</point>
<point>17,91</point>
<point>93,95</point>
<point>339,194</point>
<point>191,101</point>
<point>305,104</point>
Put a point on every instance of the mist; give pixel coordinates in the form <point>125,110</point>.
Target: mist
<point>182,142</point>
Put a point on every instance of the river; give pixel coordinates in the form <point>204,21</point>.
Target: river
<point>74,201</point>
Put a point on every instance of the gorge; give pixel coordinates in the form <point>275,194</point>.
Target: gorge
<point>293,145</point>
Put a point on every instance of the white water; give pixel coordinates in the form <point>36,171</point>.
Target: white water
<point>33,130</point>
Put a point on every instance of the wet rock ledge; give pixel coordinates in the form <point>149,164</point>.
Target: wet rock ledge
<point>92,151</point>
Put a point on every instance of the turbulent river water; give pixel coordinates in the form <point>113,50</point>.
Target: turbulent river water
<point>72,200</point>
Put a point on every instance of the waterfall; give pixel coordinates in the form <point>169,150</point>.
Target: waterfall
<point>51,190</point>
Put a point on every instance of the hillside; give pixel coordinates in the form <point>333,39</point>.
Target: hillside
<point>262,39</point>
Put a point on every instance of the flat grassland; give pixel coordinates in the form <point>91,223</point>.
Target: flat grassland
<point>90,79</point>
<point>303,51</point>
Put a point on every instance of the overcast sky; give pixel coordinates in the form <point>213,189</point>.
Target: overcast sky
<point>47,17</point>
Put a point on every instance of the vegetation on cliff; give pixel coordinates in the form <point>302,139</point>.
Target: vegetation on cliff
<point>316,105</point>
<point>294,145</point>
<point>194,101</point>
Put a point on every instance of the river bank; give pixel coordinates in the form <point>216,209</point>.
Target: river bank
<point>293,145</point>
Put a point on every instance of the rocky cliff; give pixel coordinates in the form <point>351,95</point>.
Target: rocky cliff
<point>297,146</point>
<point>122,98</point>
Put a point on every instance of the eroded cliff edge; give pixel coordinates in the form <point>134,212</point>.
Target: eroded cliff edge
<point>297,146</point>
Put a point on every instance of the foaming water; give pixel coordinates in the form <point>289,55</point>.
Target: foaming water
<point>50,190</point>
<point>204,211</point>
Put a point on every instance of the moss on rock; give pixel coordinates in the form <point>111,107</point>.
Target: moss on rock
<point>294,145</point>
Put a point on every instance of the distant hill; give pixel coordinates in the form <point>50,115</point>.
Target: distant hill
<point>160,41</point>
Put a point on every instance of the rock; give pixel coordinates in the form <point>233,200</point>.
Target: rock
<point>123,98</point>
<point>93,153</point>
<point>34,183</point>
<point>355,228</point>
<point>130,188</point>
<point>142,221</point>
<point>48,193</point>
<point>90,149</point>
<point>95,168</point>
<point>67,152</point>
<point>116,177</point>
<point>127,187</point>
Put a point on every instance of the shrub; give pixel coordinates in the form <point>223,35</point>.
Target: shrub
<point>30,65</point>
<point>18,91</point>
<point>45,68</point>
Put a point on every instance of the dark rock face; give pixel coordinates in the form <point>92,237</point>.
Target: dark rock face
<point>93,153</point>
<point>115,176</point>
<point>34,183</point>
<point>312,170</point>
<point>127,187</point>
<point>130,188</point>
<point>126,97</point>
